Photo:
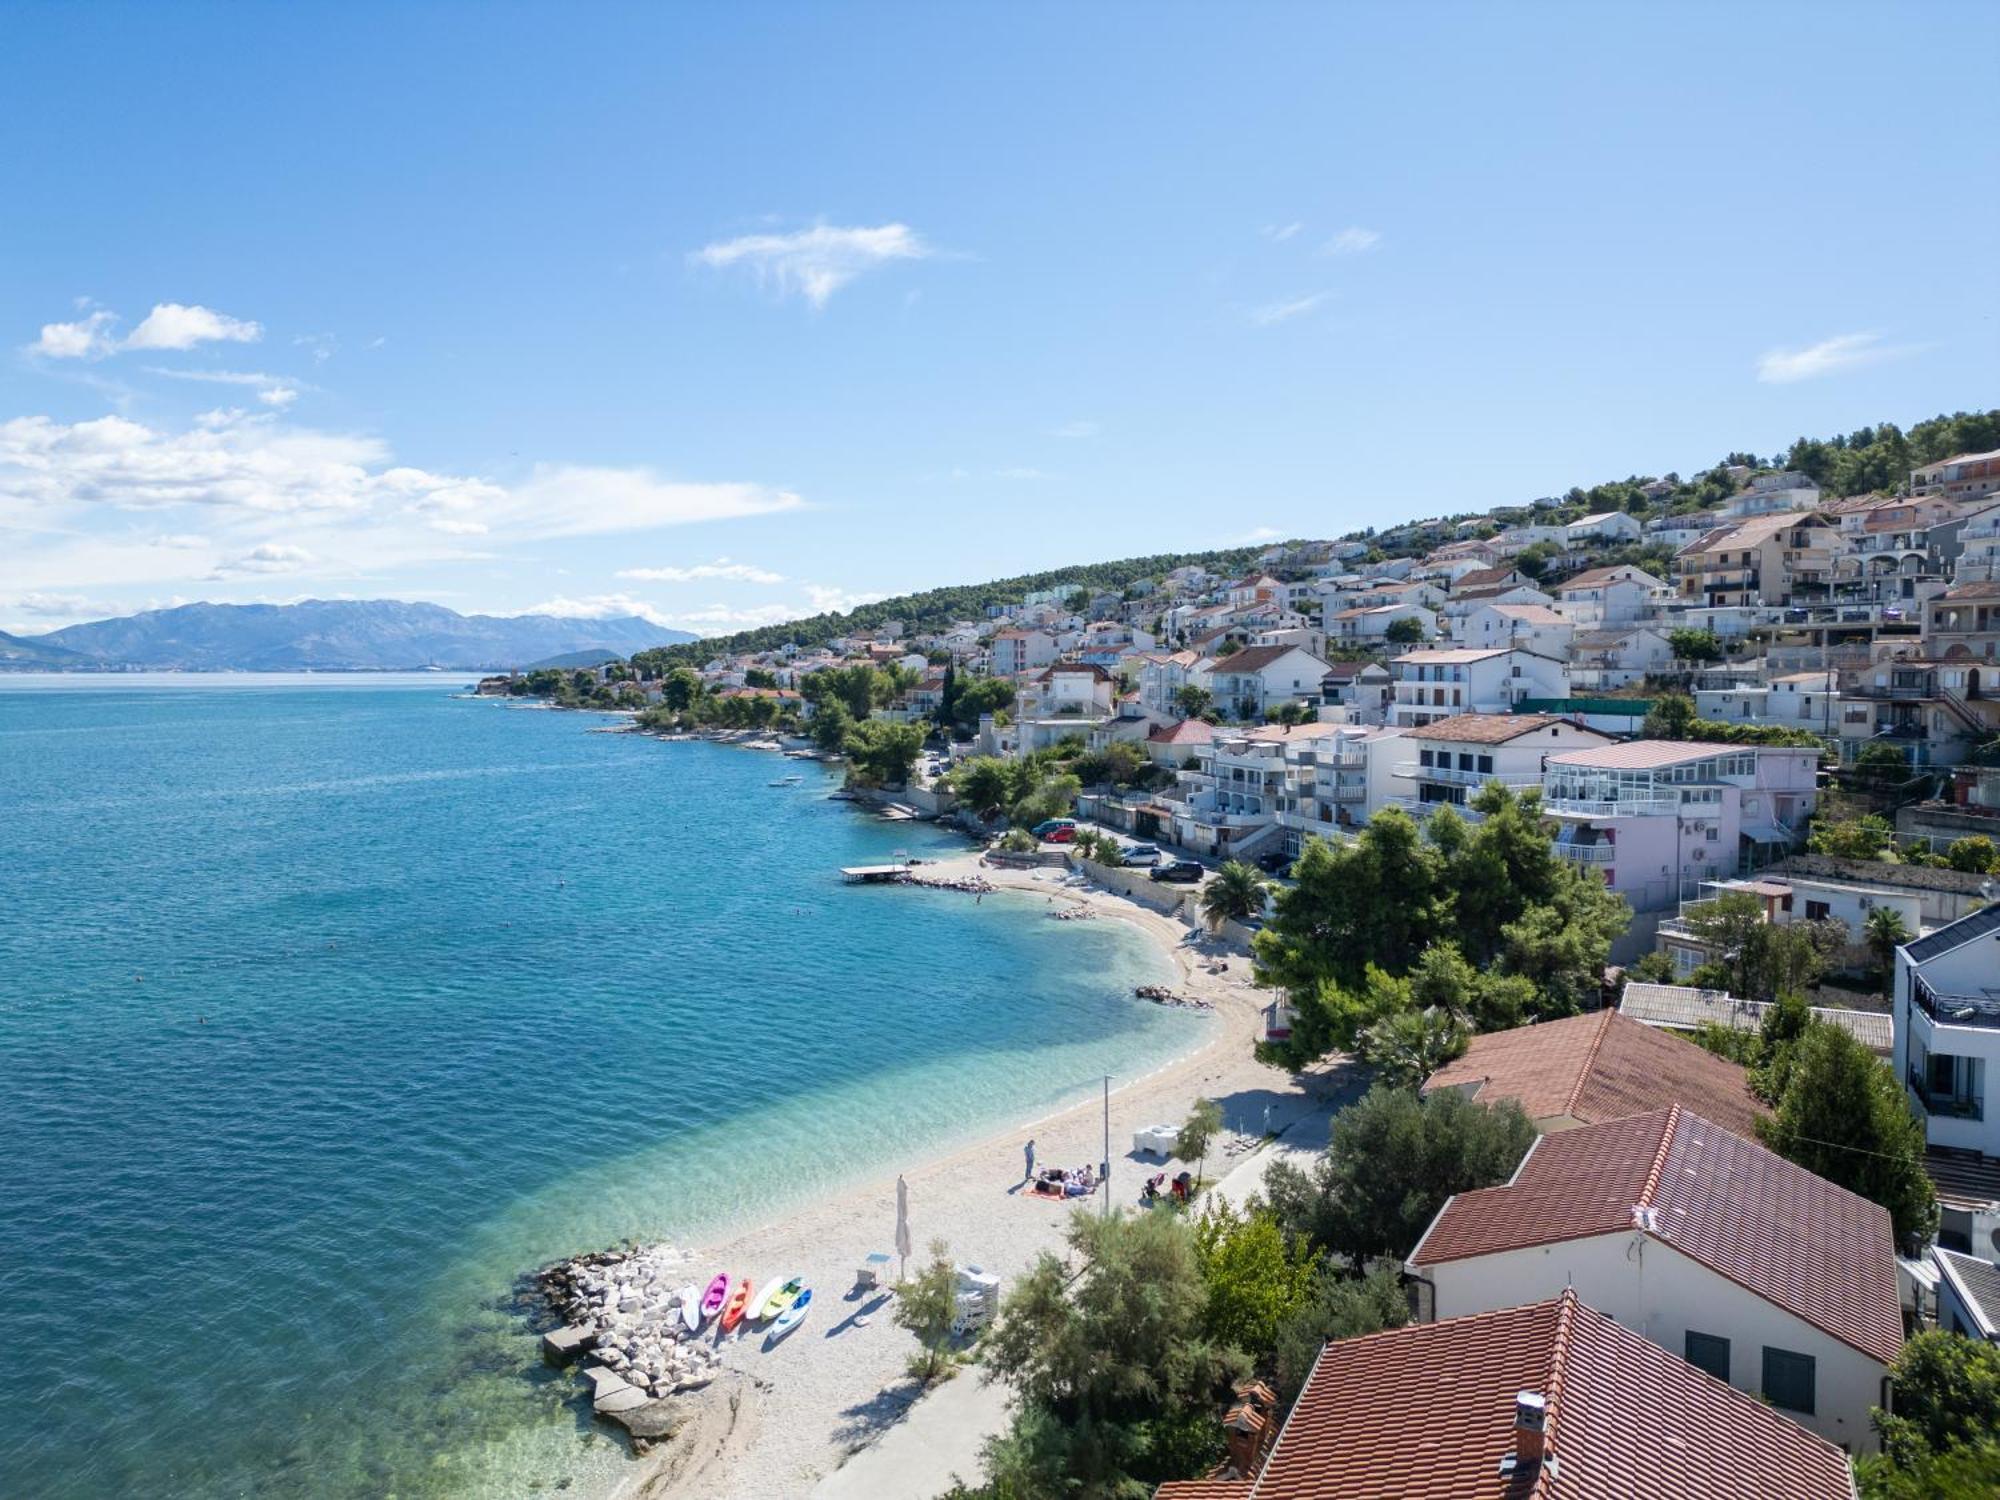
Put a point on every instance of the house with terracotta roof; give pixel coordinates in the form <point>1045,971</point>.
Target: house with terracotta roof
<point>1717,1249</point>
<point>1608,596</point>
<point>1549,1401</point>
<point>1258,678</point>
<point>1447,761</point>
<point>1584,1070</point>
<point>1013,652</point>
<point>1781,558</point>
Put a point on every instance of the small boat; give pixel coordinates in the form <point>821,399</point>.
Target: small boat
<point>794,1315</point>
<point>787,781</point>
<point>690,1300</point>
<point>732,1312</point>
<point>778,1298</point>
<point>713,1298</point>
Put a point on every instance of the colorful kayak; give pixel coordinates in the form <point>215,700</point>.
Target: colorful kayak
<point>778,1298</point>
<point>690,1300</point>
<point>715,1296</point>
<point>732,1312</point>
<point>794,1315</point>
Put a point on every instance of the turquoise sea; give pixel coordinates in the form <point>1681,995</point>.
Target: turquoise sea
<point>329,1007</point>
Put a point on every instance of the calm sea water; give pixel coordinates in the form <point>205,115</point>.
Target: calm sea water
<point>328,1008</point>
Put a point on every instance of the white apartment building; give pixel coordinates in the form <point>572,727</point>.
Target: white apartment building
<point>1256,679</point>
<point>1658,817</point>
<point>1609,596</point>
<point>1016,651</point>
<point>1964,476</point>
<point>1947,1010</point>
<point>1616,657</point>
<point>1787,897</point>
<point>1532,627</point>
<point>1774,492</point>
<point>1440,683</point>
<point>1369,624</point>
<point>1718,1250</point>
<point>1605,526</point>
<point>1979,546</point>
<point>1447,762</point>
<point>1795,700</point>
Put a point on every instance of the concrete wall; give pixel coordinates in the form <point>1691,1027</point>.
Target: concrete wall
<point>1136,885</point>
<point>1655,1290</point>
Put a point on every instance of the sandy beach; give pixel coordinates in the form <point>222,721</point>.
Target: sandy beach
<point>838,1383</point>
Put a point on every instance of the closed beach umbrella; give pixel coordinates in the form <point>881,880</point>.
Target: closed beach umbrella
<point>903,1221</point>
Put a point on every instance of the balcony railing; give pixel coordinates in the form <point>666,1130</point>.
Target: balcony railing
<point>1588,854</point>
<point>1638,807</point>
<point>1954,1106</point>
<point>1955,1010</point>
<point>1418,771</point>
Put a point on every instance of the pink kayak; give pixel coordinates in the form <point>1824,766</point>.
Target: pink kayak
<point>715,1296</point>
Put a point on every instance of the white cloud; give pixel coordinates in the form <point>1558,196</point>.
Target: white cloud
<point>721,568</point>
<point>1353,240</point>
<point>174,325</point>
<point>720,619</point>
<point>278,396</point>
<point>278,391</point>
<point>69,607</point>
<point>1847,351</point>
<point>1074,430</point>
<point>83,339</point>
<point>322,345</point>
<point>272,557</point>
<point>574,500</point>
<point>825,598</point>
<point>595,607</point>
<point>180,541</point>
<point>1284,312</point>
<point>1280,232</point>
<point>815,263</point>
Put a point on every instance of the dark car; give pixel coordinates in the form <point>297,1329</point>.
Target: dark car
<point>1180,871</point>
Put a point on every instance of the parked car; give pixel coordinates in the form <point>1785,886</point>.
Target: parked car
<point>1061,834</point>
<point>1048,825</point>
<point>1275,864</point>
<point>1179,871</point>
<point>1142,854</point>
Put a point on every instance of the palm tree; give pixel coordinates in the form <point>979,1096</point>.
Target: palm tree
<point>1886,933</point>
<point>1236,893</point>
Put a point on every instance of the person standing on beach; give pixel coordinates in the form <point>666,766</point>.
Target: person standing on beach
<point>1029,1152</point>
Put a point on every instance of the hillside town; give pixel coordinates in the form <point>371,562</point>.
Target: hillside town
<point>1757,723</point>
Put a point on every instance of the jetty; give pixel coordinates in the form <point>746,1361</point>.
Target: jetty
<point>875,874</point>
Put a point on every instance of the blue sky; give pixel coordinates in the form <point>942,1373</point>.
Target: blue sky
<point>724,313</point>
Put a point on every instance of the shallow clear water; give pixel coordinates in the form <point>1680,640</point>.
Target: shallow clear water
<point>327,1009</point>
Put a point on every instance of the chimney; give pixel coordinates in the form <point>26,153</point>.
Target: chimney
<point>1531,1414</point>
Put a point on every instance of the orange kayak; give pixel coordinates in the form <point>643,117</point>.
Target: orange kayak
<point>732,1310</point>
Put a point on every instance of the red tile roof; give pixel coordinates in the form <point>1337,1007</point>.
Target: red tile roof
<point>1428,1410</point>
<point>1601,1067</point>
<point>1187,732</point>
<point>1821,1253</point>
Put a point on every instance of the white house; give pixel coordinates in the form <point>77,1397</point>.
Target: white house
<point>1361,688</point>
<point>1656,818</point>
<point>1369,624</point>
<point>1608,596</point>
<point>1721,1252</point>
<point>1533,627</point>
<point>1069,698</point>
<point>1438,683</point>
<point>1769,493</point>
<point>1794,700</point>
<point>1257,678</point>
<point>1605,526</point>
<point>1016,651</point>
<point>1616,657</point>
<point>1947,1009</point>
<point>1448,761</point>
<point>1162,675</point>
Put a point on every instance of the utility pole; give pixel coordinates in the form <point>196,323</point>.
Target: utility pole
<point>1107,1145</point>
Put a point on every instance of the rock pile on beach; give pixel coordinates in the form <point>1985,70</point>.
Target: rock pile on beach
<point>1073,914</point>
<point>970,885</point>
<point>1159,994</point>
<point>622,1309</point>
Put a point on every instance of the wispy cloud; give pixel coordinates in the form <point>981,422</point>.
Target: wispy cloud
<point>1847,351</point>
<point>721,568</point>
<point>1020,472</point>
<point>815,263</point>
<point>1353,240</point>
<point>596,607</point>
<point>86,338</point>
<point>278,391</point>
<point>1074,430</point>
<point>1283,312</point>
<point>1280,232</point>
<point>272,557</point>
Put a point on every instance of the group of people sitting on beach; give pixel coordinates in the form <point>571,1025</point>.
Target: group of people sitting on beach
<point>1157,1188</point>
<point>1065,1182</point>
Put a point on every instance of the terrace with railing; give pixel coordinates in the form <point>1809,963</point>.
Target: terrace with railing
<point>1955,1010</point>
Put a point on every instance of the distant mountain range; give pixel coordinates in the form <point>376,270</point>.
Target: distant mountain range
<point>325,635</point>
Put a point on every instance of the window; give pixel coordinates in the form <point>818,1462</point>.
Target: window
<point>1818,911</point>
<point>1486,764</point>
<point>1788,1379</point>
<point>1708,1351</point>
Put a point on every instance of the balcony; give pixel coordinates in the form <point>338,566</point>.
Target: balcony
<point>1587,854</point>
<point>1955,1010</point>
<point>1421,810</point>
<point>1638,807</point>
<point>1950,1106</point>
<point>1450,775</point>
